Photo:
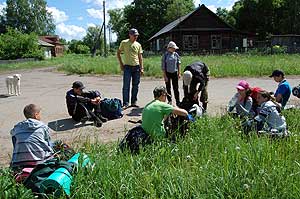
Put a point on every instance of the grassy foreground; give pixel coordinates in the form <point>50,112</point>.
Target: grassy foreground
<point>213,161</point>
<point>220,65</point>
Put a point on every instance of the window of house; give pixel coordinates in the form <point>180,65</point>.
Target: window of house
<point>190,42</point>
<point>216,42</point>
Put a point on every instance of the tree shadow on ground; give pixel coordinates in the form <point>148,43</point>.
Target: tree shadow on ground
<point>137,111</point>
<point>4,96</point>
<point>66,124</point>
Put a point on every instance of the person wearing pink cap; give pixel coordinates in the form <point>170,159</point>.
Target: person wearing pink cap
<point>241,101</point>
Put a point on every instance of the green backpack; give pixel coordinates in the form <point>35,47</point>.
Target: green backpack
<point>42,171</point>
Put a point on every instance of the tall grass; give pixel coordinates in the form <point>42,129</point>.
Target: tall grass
<point>220,65</point>
<point>214,161</point>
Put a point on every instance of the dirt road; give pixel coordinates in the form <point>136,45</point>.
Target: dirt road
<point>47,88</point>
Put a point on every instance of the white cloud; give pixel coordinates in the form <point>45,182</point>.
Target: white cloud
<point>212,8</point>
<point>117,3</point>
<point>91,25</point>
<point>109,4</point>
<point>2,6</point>
<point>97,14</point>
<point>58,15</point>
<point>80,18</point>
<point>70,32</point>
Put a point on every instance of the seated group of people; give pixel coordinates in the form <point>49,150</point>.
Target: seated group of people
<point>256,104</point>
<point>31,139</point>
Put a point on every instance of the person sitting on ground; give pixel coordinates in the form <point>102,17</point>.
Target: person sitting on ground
<point>31,140</point>
<point>154,113</point>
<point>170,65</point>
<point>284,89</point>
<point>253,95</point>
<point>194,74</point>
<point>83,106</point>
<point>269,115</point>
<point>241,101</point>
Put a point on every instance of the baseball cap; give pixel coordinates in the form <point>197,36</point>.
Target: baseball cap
<point>133,31</point>
<point>172,44</point>
<point>187,78</point>
<point>242,85</point>
<point>277,73</point>
<point>78,84</point>
<point>159,90</point>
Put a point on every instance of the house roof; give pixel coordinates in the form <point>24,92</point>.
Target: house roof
<point>51,39</point>
<point>43,43</point>
<point>171,25</point>
<point>175,23</point>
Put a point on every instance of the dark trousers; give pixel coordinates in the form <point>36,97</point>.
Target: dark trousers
<point>86,110</point>
<point>174,78</point>
<point>193,89</point>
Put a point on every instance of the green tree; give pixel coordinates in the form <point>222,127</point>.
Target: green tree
<point>29,16</point>
<point>178,8</point>
<point>14,45</point>
<point>148,16</point>
<point>93,39</point>
<point>118,23</point>
<point>78,47</point>
<point>226,16</point>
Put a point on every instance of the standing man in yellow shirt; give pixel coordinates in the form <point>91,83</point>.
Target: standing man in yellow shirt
<point>132,66</point>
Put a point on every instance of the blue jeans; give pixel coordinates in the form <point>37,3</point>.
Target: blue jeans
<point>133,72</point>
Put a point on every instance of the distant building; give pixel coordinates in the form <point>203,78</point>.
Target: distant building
<point>291,42</point>
<point>58,48</point>
<point>201,31</point>
<point>46,48</point>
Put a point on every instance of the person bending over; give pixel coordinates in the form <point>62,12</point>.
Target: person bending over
<point>154,113</point>
<point>31,140</point>
<point>194,74</point>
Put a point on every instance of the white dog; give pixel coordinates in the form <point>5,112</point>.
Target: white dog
<point>13,84</point>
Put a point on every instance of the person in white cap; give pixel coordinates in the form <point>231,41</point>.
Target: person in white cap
<point>194,74</point>
<point>132,66</point>
<point>170,65</point>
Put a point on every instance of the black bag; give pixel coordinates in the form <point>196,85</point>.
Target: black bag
<point>135,138</point>
<point>42,171</point>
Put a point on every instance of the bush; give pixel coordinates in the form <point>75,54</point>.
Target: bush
<point>15,45</point>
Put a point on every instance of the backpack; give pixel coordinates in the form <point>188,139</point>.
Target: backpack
<point>111,108</point>
<point>134,138</point>
<point>42,171</point>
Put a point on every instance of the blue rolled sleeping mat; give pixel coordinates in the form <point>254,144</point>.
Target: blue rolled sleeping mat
<point>60,180</point>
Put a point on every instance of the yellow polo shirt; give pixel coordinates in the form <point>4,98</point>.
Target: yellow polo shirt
<point>131,51</point>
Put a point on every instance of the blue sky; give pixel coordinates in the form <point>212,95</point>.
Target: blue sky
<point>73,17</point>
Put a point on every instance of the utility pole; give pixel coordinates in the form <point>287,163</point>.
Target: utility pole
<point>105,50</point>
<point>109,35</point>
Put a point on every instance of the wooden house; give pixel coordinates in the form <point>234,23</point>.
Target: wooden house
<point>201,31</point>
<point>58,48</point>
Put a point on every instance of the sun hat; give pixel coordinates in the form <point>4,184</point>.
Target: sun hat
<point>133,31</point>
<point>187,78</point>
<point>172,45</point>
<point>159,90</point>
<point>243,85</point>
